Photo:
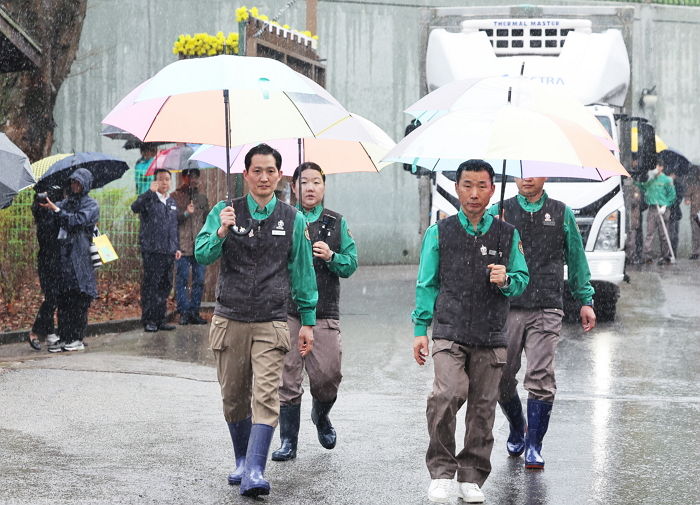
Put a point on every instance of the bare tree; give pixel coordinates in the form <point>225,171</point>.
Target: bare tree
<point>27,98</point>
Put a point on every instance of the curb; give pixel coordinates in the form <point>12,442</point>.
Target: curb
<point>119,326</point>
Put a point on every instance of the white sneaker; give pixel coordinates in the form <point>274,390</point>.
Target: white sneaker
<point>76,345</point>
<point>440,490</point>
<point>470,493</point>
<point>52,339</point>
<point>56,346</point>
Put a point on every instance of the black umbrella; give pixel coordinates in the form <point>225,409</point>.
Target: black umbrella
<point>15,173</point>
<point>674,162</point>
<point>132,142</point>
<point>104,169</point>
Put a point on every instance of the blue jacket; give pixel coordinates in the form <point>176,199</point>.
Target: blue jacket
<point>158,232</point>
<point>77,218</point>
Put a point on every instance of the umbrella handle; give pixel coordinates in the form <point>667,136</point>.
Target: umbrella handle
<point>243,230</point>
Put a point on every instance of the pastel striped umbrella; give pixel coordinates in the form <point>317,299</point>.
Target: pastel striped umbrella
<point>522,142</point>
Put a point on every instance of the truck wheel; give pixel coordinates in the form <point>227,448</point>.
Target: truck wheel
<point>605,310</point>
<point>605,300</point>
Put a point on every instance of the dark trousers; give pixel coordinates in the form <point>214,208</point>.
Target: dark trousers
<point>43,324</point>
<point>155,286</point>
<point>188,299</point>
<point>72,315</point>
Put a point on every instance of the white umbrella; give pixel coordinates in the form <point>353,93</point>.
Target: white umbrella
<point>529,144</point>
<point>16,173</point>
<point>491,93</point>
<point>329,149</point>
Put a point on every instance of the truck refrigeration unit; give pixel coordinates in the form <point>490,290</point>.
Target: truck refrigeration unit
<point>559,51</point>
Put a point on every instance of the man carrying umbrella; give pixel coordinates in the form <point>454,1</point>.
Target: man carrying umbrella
<point>335,256</point>
<point>249,334</point>
<point>470,266</point>
<point>551,239</point>
<point>192,210</point>
<point>659,195</point>
<point>159,249</point>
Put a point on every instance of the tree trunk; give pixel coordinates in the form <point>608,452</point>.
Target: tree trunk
<point>27,98</point>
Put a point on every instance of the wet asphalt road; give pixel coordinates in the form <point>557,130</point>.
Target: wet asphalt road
<point>137,417</point>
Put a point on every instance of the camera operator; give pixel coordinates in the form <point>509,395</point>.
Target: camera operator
<point>48,268</point>
<point>76,216</point>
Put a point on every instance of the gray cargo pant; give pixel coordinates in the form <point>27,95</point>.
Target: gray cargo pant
<point>322,364</point>
<point>535,331</point>
<point>655,228</point>
<point>471,374</point>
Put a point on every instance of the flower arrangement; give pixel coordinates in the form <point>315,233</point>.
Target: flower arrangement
<point>243,13</point>
<point>204,44</point>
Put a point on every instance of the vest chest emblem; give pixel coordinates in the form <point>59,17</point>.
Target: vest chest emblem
<point>548,220</point>
<point>279,229</point>
<point>483,250</point>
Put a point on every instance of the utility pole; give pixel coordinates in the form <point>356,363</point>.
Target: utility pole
<point>311,16</point>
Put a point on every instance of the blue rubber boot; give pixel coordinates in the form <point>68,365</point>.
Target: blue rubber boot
<point>513,411</point>
<point>290,417</point>
<point>538,413</point>
<point>240,431</point>
<point>324,428</point>
<point>254,483</point>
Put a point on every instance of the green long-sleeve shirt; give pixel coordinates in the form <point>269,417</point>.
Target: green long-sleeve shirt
<point>659,191</point>
<point>143,182</point>
<point>208,248</point>
<point>344,261</point>
<point>574,254</point>
<point>428,282</point>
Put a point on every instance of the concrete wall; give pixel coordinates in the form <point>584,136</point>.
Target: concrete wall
<point>373,52</point>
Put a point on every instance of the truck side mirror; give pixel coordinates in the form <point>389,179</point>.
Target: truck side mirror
<point>406,166</point>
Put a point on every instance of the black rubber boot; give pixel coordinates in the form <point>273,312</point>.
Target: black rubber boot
<point>319,416</point>
<point>290,416</point>
<point>538,413</point>
<point>513,411</point>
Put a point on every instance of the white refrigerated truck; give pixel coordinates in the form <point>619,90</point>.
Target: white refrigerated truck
<point>560,52</point>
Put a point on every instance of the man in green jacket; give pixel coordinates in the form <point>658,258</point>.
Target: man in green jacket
<point>551,239</point>
<point>470,265</point>
<point>659,194</point>
<point>269,253</point>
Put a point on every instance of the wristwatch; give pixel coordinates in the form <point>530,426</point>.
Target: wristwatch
<point>507,283</point>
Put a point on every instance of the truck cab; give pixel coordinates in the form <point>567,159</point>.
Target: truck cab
<point>594,67</point>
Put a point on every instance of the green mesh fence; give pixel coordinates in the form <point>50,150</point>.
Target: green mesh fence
<point>18,245</point>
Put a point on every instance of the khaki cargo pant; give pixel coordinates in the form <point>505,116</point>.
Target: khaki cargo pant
<point>322,364</point>
<point>535,331</point>
<point>249,359</point>
<point>471,374</point>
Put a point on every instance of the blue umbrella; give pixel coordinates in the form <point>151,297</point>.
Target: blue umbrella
<point>104,169</point>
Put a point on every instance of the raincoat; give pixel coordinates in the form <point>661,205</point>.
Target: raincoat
<point>78,214</point>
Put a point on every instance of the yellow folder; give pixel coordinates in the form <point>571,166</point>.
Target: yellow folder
<point>105,249</point>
